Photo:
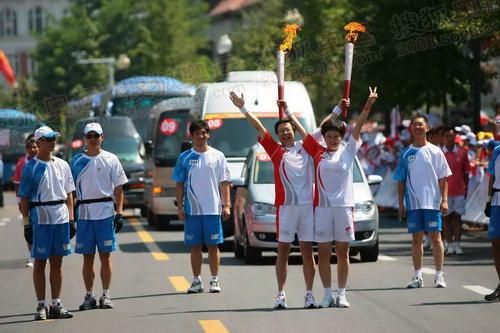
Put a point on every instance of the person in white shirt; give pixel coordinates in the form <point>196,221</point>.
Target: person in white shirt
<point>47,209</point>
<point>334,197</point>
<point>422,173</point>
<point>202,193</point>
<point>99,178</point>
<point>293,178</point>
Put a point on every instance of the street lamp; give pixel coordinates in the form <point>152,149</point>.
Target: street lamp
<point>223,48</point>
<point>122,63</point>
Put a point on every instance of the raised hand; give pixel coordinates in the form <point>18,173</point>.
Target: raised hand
<point>373,95</point>
<point>239,102</point>
<point>342,101</point>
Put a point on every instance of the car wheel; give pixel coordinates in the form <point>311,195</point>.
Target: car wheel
<point>370,254</point>
<point>162,222</point>
<point>239,251</point>
<point>251,254</point>
<point>144,211</point>
<point>149,216</point>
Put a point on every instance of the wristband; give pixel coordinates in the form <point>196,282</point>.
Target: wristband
<point>336,110</point>
<point>288,113</point>
<point>243,109</point>
<point>26,220</point>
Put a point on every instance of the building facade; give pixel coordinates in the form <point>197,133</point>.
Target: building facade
<point>21,21</point>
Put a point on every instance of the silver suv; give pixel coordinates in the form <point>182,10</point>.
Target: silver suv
<point>255,214</point>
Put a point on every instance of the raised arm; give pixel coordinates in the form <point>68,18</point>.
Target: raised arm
<point>364,114</point>
<point>302,131</point>
<point>239,102</point>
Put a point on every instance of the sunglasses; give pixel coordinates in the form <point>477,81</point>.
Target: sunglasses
<point>93,136</point>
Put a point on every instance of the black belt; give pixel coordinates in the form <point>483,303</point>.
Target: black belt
<point>33,204</point>
<point>90,201</point>
<point>494,190</point>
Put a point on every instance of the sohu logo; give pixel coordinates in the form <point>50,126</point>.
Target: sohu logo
<point>194,162</point>
<point>411,158</point>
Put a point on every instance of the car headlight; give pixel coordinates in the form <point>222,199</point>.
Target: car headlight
<point>260,209</point>
<point>365,207</point>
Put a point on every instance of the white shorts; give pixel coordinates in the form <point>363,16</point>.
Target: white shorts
<point>456,204</point>
<point>296,219</point>
<point>333,223</point>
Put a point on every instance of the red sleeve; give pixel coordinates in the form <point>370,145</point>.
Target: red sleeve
<point>312,146</point>
<point>271,146</point>
<point>19,169</point>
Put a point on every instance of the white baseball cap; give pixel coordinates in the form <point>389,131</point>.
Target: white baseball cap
<point>472,138</point>
<point>92,127</point>
<point>463,129</point>
<point>45,132</point>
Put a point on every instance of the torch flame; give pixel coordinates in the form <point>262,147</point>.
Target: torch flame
<point>290,31</point>
<point>353,29</point>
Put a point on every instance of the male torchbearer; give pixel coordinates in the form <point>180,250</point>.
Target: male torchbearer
<point>290,31</point>
<point>353,29</point>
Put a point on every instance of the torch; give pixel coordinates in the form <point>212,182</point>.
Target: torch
<point>290,32</point>
<point>353,29</point>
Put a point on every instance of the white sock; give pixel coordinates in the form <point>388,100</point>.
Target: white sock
<point>197,278</point>
<point>42,301</point>
<point>309,292</point>
<point>341,291</point>
<point>215,277</point>
<point>328,291</point>
<point>90,293</point>
<point>105,292</point>
<point>418,273</point>
<point>281,293</point>
<point>56,301</point>
<point>439,273</point>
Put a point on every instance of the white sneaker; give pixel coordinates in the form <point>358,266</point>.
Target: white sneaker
<point>450,248</point>
<point>196,287</point>
<point>309,302</point>
<point>439,281</point>
<point>342,301</point>
<point>458,249</point>
<point>215,286</point>
<point>29,263</point>
<point>327,302</point>
<point>416,282</point>
<point>280,302</point>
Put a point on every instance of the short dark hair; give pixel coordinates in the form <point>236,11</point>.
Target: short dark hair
<point>419,115</point>
<point>29,140</point>
<point>336,125</point>
<point>283,121</point>
<point>199,124</point>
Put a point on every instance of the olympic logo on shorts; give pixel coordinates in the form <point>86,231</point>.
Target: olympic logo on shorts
<point>285,232</point>
<point>320,233</point>
<point>189,237</point>
<point>41,249</point>
<point>412,225</point>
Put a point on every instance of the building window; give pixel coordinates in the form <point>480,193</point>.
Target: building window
<point>8,22</point>
<point>38,20</point>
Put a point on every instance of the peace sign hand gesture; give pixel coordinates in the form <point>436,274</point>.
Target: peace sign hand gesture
<point>373,96</point>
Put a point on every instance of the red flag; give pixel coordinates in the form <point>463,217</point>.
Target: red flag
<point>6,69</point>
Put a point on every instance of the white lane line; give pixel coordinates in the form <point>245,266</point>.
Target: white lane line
<point>429,271</point>
<point>2,224</point>
<point>479,290</point>
<point>382,257</point>
<point>5,219</point>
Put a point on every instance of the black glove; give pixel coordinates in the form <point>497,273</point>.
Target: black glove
<point>28,233</point>
<point>118,223</point>
<point>487,209</point>
<point>72,229</point>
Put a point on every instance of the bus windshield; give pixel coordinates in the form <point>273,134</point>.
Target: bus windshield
<point>170,134</point>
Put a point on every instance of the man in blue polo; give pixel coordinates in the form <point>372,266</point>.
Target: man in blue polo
<point>47,209</point>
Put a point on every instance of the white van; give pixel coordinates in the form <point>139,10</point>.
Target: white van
<point>230,132</point>
<point>167,127</point>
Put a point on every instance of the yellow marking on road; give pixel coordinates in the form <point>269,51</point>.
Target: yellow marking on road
<point>213,326</point>
<point>179,282</point>
<point>148,240</point>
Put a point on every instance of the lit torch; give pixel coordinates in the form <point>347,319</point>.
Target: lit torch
<point>353,29</point>
<point>290,32</point>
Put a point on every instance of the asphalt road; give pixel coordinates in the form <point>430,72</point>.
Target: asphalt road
<point>152,272</point>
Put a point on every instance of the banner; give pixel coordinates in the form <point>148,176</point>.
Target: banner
<point>6,69</point>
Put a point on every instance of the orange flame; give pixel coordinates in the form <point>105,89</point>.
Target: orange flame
<point>353,29</point>
<point>290,31</point>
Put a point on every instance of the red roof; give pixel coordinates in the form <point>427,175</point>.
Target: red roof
<point>229,6</point>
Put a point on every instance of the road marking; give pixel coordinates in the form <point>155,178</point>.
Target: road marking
<point>5,219</point>
<point>2,224</point>
<point>148,240</point>
<point>179,282</point>
<point>386,258</point>
<point>479,290</point>
<point>213,326</point>
<point>429,271</point>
